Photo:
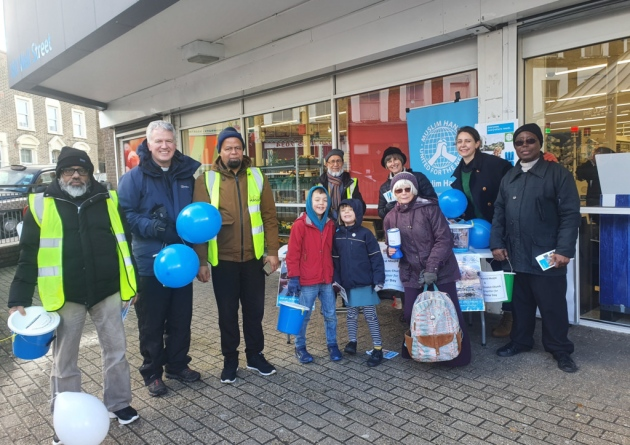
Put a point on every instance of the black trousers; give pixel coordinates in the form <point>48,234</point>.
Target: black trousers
<point>240,283</point>
<point>164,316</point>
<point>548,293</point>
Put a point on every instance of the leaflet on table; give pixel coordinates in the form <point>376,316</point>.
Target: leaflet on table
<point>469,290</point>
<point>544,259</point>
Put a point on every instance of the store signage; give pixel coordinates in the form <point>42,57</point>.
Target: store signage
<point>291,143</point>
<point>432,131</point>
<point>37,51</point>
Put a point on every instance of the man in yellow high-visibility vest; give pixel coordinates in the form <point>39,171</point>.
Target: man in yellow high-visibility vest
<point>243,196</point>
<point>75,247</point>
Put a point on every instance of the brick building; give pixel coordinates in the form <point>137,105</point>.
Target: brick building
<point>34,128</point>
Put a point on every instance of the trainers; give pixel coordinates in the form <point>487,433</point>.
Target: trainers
<point>125,416</point>
<point>56,440</point>
<point>302,355</point>
<point>258,363</point>
<point>334,352</point>
<point>230,366</point>
<point>375,358</point>
<point>157,388</point>
<point>351,348</point>
<point>185,375</point>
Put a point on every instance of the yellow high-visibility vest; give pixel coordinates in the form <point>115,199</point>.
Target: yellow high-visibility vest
<point>350,190</point>
<point>49,257</point>
<point>254,194</point>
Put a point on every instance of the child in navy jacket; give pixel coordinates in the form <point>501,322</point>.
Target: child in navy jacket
<point>360,270</point>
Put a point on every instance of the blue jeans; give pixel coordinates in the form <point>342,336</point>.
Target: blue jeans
<point>326,295</point>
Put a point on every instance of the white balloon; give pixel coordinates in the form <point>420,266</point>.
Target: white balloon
<point>80,419</point>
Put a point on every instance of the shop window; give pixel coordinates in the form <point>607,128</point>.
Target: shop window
<point>200,143</point>
<point>289,146</point>
<point>370,122</point>
<point>53,116</point>
<point>24,113</point>
<point>78,124</point>
<point>130,158</point>
<point>581,98</point>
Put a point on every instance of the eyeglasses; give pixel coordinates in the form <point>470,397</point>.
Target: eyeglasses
<point>521,142</point>
<point>399,191</point>
<point>335,161</point>
<point>70,171</point>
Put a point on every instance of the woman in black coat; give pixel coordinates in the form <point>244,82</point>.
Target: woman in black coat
<point>479,176</point>
<point>394,161</point>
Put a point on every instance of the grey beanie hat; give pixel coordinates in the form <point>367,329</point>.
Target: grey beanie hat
<point>334,152</point>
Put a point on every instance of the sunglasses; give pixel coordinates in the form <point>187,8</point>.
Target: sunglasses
<point>399,191</point>
<point>521,142</point>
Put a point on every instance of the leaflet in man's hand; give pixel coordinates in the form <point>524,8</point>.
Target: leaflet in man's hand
<point>545,261</point>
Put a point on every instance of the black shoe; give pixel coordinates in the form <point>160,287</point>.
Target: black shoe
<point>375,358</point>
<point>125,416</point>
<point>257,362</point>
<point>351,348</point>
<point>56,440</point>
<point>404,352</point>
<point>230,366</point>
<point>510,350</point>
<point>185,375</point>
<point>565,362</point>
<point>157,387</point>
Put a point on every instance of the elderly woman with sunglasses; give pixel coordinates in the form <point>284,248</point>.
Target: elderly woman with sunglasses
<point>427,247</point>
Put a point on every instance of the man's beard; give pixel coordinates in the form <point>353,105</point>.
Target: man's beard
<point>335,174</point>
<point>234,164</point>
<point>74,190</point>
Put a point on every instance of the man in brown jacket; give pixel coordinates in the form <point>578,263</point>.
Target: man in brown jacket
<point>245,200</point>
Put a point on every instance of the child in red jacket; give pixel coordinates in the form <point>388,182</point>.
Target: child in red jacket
<point>310,269</point>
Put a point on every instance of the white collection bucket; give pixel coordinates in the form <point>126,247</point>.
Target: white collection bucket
<point>33,332</point>
<point>460,236</point>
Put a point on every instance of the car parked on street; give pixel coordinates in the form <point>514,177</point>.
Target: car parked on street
<point>16,182</point>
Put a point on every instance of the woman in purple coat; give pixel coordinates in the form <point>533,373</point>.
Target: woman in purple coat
<point>427,247</point>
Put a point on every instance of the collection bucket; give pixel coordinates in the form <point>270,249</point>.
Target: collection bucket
<point>291,317</point>
<point>33,333</point>
<point>460,237</point>
<point>509,284</point>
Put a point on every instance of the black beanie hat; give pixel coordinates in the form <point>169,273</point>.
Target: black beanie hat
<point>533,129</point>
<point>229,132</point>
<point>393,151</point>
<point>69,157</point>
<point>334,152</point>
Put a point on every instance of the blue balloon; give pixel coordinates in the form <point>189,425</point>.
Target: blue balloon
<point>453,203</point>
<point>479,234</point>
<point>176,265</point>
<point>198,222</point>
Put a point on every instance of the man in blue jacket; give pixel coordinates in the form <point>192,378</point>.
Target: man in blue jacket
<point>537,211</point>
<point>152,195</point>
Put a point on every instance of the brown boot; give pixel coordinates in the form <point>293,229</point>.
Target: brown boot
<point>504,327</point>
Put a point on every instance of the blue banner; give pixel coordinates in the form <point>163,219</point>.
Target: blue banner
<point>432,130</point>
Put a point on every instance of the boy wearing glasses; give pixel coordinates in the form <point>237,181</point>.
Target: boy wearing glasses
<point>537,211</point>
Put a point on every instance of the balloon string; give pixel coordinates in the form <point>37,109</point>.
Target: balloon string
<point>10,337</point>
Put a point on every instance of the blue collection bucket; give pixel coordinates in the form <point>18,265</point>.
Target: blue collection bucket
<point>460,234</point>
<point>33,332</point>
<point>291,317</point>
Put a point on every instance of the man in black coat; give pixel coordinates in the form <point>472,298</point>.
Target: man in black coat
<point>86,267</point>
<point>537,211</point>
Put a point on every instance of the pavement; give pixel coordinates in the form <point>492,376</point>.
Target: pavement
<point>525,399</point>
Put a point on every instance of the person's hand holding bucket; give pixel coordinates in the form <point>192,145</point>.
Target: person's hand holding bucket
<point>394,242</point>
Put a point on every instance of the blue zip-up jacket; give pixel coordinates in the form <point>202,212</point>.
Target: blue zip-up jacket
<point>145,188</point>
<point>357,257</point>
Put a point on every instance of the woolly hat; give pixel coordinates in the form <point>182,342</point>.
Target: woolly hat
<point>228,132</point>
<point>532,128</point>
<point>70,157</point>
<point>404,176</point>
<point>334,152</point>
<point>393,151</point>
